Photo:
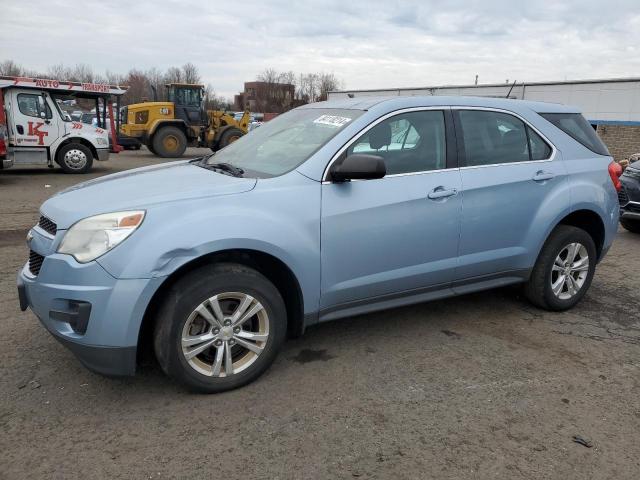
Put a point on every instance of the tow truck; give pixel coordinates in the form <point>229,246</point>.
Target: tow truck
<point>37,131</point>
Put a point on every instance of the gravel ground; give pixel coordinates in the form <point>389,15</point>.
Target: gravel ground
<point>483,386</point>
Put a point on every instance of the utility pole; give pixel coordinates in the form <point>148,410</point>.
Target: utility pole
<point>476,80</point>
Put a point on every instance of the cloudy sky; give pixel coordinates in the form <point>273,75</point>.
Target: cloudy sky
<point>366,43</point>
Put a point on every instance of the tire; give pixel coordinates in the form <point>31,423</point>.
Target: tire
<point>632,226</point>
<point>75,158</point>
<point>150,148</point>
<point>178,316</point>
<point>169,142</point>
<point>539,289</point>
<point>229,136</point>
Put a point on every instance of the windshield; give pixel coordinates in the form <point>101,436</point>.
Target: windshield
<point>285,142</point>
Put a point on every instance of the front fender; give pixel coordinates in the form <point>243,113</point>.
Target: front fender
<point>264,219</point>
<point>161,122</point>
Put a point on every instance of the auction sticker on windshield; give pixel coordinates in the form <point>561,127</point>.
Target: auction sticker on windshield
<point>333,120</point>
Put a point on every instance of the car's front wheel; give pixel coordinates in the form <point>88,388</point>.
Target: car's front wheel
<point>220,327</point>
<point>564,269</point>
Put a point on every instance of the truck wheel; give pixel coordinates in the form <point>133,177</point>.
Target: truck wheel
<point>169,142</point>
<point>74,158</point>
<point>230,135</point>
<point>564,269</point>
<point>219,327</point>
<point>150,148</point>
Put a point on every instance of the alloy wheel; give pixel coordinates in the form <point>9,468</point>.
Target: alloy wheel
<point>569,271</point>
<point>225,334</point>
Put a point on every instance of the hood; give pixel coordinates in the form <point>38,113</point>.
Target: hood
<point>140,188</point>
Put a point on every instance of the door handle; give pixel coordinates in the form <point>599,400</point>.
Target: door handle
<point>542,176</point>
<point>20,129</point>
<point>441,192</point>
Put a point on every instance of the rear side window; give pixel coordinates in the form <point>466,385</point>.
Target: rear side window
<point>540,150</point>
<point>491,138</point>
<point>575,125</point>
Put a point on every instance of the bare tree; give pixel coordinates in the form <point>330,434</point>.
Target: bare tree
<point>57,72</point>
<point>190,73</point>
<point>81,73</point>
<point>215,102</point>
<point>138,90</point>
<point>11,69</point>
<point>327,83</point>
<point>173,75</point>
<point>156,80</point>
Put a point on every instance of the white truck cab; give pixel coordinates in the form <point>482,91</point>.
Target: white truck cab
<point>39,132</point>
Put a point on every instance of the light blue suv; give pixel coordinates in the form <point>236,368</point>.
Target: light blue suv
<point>332,210</point>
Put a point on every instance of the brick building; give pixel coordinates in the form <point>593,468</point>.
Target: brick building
<point>266,97</point>
<point>611,106</point>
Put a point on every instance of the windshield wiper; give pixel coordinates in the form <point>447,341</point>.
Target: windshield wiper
<point>227,168</point>
<point>224,167</point>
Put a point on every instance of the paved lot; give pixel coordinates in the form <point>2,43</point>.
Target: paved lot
<point>483,386</point>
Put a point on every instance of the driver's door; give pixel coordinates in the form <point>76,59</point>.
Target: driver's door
<point>33,125</point>
<point>396,236</point>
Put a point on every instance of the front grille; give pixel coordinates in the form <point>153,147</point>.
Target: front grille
<point>632,207</point>
<point>47,225</point>
<point>35,262</point>
<point>623,198</point>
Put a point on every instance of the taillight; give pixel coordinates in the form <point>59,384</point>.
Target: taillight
<point>3,146</point>
<point>615,172</point>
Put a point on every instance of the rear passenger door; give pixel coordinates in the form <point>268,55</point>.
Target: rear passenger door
<point>509,173</point>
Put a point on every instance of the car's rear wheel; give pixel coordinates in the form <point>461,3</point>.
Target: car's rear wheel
<point>220,327</point>
<point>632,226</point>
<point>564,269</point>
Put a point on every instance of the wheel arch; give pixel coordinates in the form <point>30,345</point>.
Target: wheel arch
<point>80,140</point>
<point>273,268</point>
<point>158,124</point>
<point>588,220</point>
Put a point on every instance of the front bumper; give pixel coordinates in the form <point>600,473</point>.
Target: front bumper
<point>629,196</point>
<point>103,154</point>
<point>6,162</point>
<point>95,315</point>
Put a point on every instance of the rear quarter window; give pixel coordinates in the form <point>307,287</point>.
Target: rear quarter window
<point>577,127</point>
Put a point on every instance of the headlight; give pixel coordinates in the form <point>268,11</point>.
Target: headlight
<point>94,236</point>
<point>101,141</point>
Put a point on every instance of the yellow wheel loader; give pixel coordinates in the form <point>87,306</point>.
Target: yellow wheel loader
<point>168,128</point>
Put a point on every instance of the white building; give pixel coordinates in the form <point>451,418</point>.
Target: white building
<point>613,105</point>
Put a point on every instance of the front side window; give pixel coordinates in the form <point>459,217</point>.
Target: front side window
<point>285,142</point>
<point>491,138</point>
<point>32,105</point>
<point>408,142</point>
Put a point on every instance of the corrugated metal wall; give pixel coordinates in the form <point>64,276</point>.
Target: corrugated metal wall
<point>601,102</point>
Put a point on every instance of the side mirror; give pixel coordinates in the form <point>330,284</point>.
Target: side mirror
<point>359,166</point>
<point>43,115</point>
